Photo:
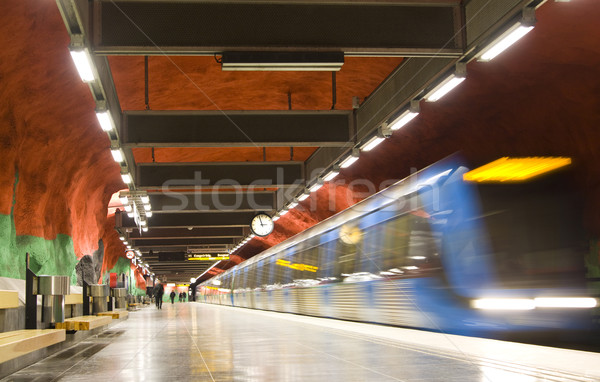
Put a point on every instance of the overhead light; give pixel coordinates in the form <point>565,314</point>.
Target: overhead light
<point>130,214</point>
<point>449,83</point>
<point>406,116</point>
<point>126,178</point>
<point>147,207</point>
<point>383,132</point>
<point>283,212</point>
<point>509,37</point>
<point>192,280</point>
<point>504,304</point>
<point>122,238</point>
<point>117,155</point>
<point>143,223</point>
<point>282,61</point>
<point>304,196</point>
<point>124,200</point>
<point>148,214</point>
<point>125,242</point>
<point>276,217</point>
<point>350,159</point>
<point>105,120</point>
<point>129,247</point>
<point>335,171</point>
<point>316,185</point>
<point>145,199</point>
<point>83,61</point>
<point>508,169</point>
<point>145,229</point>
<point>128,208</point>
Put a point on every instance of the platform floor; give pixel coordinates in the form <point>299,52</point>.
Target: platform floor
<point>201,342</point>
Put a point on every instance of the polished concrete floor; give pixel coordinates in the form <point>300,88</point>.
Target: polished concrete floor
<point>200,342</point>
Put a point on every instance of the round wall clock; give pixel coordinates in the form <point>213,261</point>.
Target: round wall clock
<point>261,224</point>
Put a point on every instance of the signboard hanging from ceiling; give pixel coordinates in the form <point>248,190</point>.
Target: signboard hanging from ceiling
<point>207,256</point>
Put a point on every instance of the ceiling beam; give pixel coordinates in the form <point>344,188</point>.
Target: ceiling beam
<point>175,220</point>
<point>172,176</point>
<point>236,128</point>
<point>207,201</point>
<point>195,233</point>
<point>385,28</point>
<point>182,242</point>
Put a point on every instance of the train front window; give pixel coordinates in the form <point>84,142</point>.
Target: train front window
<point>535,233</point>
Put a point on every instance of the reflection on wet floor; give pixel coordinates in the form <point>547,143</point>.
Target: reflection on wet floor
<point>199,342</point>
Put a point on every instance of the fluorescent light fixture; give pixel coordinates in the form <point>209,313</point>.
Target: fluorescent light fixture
<point>124,200</point>
<point>335,171</point>
<point>283,212</point>
<point>117,155</point>
<point>350,159</point>
<point>147,207</point>
<point>275,218</point>
<point>105,120</point>
<point>130,214</point>
<point>83,62</point>
<point>509,37</point>
<point>292,205</point>
<point>145,229</point>
<point>125,242</point>
<point>565,302</point>
<point>449,83</point>
<point>504,304</point>
<point>406,116</point>
<point>508,169</point>
<point>122,238</point>
<point>282,61</point>
<point>372,143</point>
<point>145,199</point>
<point>148,214</point>
<point>316,185</point>
<point>193,280</point>
<point>304,196</point>
<point>126,178</point>
<point>129,247</point>
<point>143,223</point>
<point>128,208</point>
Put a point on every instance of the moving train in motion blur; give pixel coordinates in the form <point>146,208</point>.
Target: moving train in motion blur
<point>433,251</point>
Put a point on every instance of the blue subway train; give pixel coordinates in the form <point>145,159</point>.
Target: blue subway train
<point>435,252</point>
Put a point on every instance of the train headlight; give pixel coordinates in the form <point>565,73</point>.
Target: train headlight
<point>503,304</point>
<point>565,302</point>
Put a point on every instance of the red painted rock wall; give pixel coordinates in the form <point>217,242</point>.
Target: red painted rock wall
<point>49,133</point>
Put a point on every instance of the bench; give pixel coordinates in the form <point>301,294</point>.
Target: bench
<point>9,299</point>
<point>16,343</point>
<point>84,322</point>
<point>133,306</point>
<point>115,314</point>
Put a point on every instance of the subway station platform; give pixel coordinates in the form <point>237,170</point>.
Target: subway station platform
<point>202,342</point>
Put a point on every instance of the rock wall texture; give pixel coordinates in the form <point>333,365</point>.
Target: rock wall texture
<point>57,173</point>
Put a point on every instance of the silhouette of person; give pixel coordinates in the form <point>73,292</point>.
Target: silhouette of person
<point>159,290</point>
<point>172,297</point>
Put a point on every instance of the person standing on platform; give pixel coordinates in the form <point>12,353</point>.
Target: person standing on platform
<point>172,297</point>
<point>159,290</point>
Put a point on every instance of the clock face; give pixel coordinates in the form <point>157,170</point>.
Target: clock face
<point>261,224</point>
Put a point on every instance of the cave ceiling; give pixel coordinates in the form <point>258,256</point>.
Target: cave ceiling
<point>193,133</point>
